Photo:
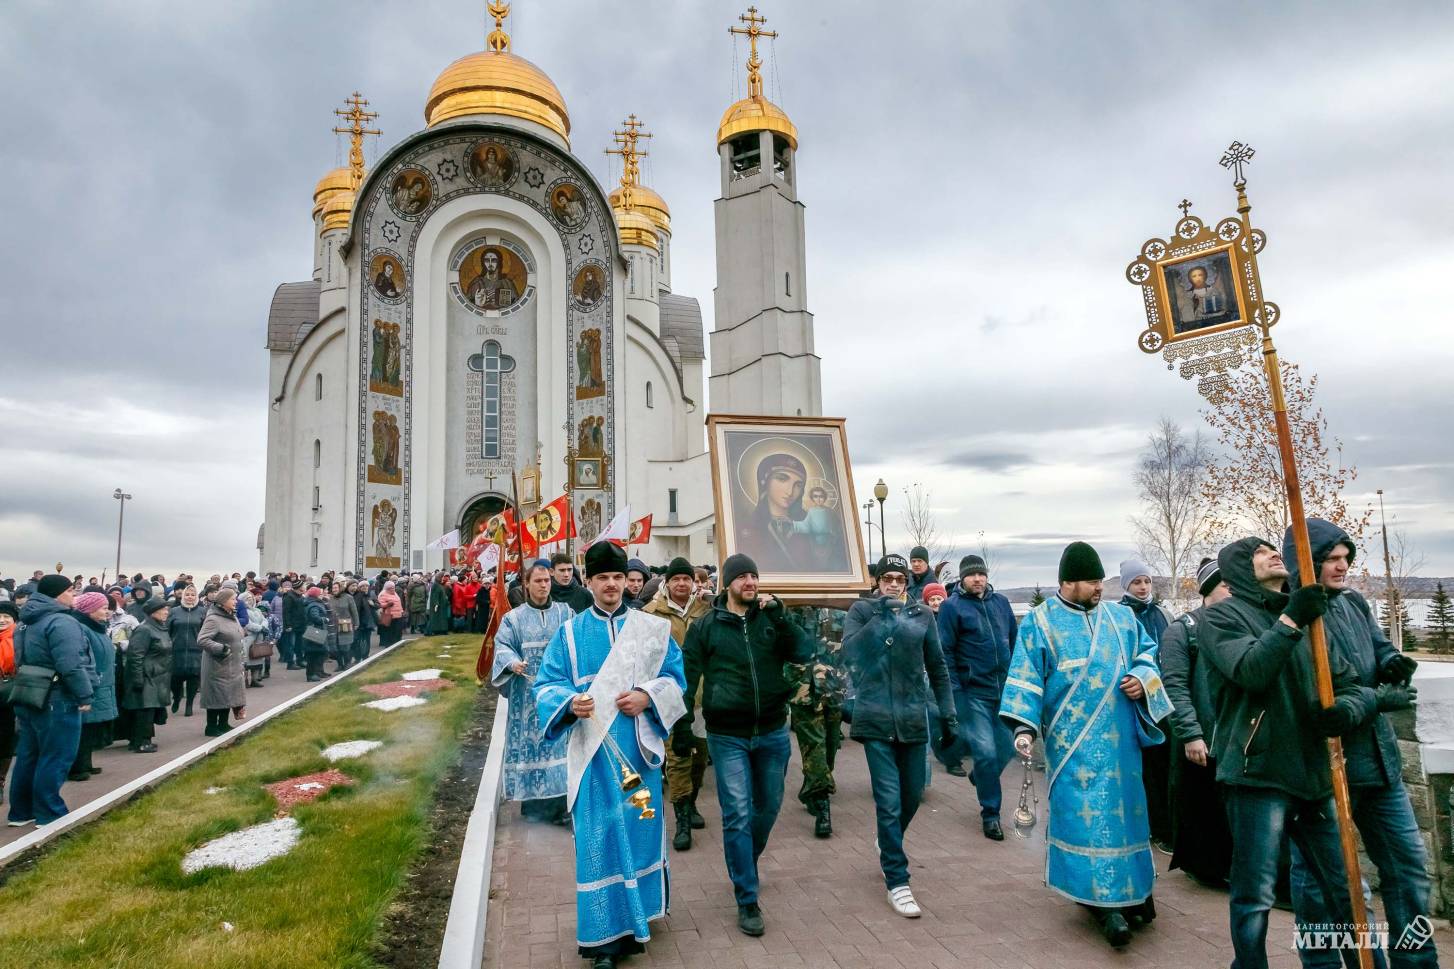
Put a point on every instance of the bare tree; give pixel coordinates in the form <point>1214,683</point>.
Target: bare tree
<point>986,552</point>
<point>1405,562</point>
<point>1170,480</point>
<point>922,522</point>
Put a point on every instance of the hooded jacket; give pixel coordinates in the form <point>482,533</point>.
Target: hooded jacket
<point>893,656</point>
<point>1370,749</point>
<point>977,634</point>
<point>50,636</point>
<point>1261,675</point>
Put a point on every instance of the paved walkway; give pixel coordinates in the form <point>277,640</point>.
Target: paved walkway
<point>178,735</point>
<point>985,904</point>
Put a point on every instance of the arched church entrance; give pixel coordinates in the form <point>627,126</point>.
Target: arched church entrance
<point>477,511</point>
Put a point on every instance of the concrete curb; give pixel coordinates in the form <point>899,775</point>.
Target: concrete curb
<point>97,808</point>
<point>464,932</point>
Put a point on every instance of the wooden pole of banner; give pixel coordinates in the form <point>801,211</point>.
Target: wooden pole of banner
<point>1317,637</point>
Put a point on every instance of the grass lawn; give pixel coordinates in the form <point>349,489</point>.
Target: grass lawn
<point>113,894</point>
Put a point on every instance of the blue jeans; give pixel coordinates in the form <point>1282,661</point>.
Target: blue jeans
<point>47,747</point>
<point>896,773</point>
<point>1385,818</point>
<point>1260,819</point>
<point>990,744</point>
<point>288,646</point>
<point>750,773</point>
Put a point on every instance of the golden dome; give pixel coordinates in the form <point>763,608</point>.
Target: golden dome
<point>338,180</point>
<point>497,82</point>
<point>635,228</point>
<point>756,114</point>
<point>646,202</point>
<point>338,210</point>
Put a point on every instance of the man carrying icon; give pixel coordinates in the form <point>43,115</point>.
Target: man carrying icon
<point>617,673</point>
<point>1084,677</point>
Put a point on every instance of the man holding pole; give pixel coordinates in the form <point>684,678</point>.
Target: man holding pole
<point>1269,745</point>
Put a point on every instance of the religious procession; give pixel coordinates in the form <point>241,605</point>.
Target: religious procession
<point>519,603</point>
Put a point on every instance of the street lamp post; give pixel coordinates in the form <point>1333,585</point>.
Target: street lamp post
<point>868,520</point>
<point>881,492</point>
<point>122,497</point>
<point>1395,601</point>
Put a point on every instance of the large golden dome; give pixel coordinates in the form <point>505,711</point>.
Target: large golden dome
<point>636,229</point>
<point>756,114</point>
<point>497,82</point>
<point>338,180</point>
<point>647,203</point>
<point>338,210</point>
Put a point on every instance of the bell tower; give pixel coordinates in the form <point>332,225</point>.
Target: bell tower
<point>763,360</point>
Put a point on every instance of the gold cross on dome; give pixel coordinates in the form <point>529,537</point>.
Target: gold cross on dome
<point>498,41</point>
<point>752,31</point>
<point>356,117</point>
<point>631,156</point>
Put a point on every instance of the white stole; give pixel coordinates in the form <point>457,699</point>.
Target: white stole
<point>634,662</point>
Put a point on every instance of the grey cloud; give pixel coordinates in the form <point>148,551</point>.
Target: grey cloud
<point>998,462</point>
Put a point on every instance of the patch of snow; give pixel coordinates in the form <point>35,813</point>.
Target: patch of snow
<point>350,748</point>
<point>247,848</point>
<point>227,926</point>
<point>214,790</point>
<point>422,675</point>
<point>396,702</point>
<point>311,786</point>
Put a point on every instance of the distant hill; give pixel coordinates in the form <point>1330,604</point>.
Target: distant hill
<point>1371,586</point>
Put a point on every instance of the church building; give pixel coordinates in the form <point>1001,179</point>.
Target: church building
<point>481,306</point>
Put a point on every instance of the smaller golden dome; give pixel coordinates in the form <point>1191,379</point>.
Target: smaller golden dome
<point>635,228</point>
<point>648,203</point>
<point>756,114</point>
<point>338,180</point>
<point>497,82</point>
<point>338,210</point>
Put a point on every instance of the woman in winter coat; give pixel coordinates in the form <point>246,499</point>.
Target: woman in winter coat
<point>391,616</point>
<point>222,659</point>
<point>148,676</point>
<point>439,605</point>
<point>257,630</point>
<point>315,636</point>
<point>345,618</point>
<point>93,610</point>
<point>184,623</point>
<point>367,620</point>
<point>418,604</point>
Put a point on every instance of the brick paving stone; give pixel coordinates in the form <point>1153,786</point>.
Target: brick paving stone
<point>985,903</point>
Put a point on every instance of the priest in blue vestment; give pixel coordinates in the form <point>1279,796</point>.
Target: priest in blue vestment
<point>535,770</point>
<point>1084,677</point>
<point>617,673</point>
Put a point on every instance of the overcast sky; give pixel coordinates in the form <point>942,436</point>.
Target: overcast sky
<point>976,176</point>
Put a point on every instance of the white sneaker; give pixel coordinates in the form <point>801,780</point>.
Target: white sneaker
<point>903,902</point>
<point>19,824</point>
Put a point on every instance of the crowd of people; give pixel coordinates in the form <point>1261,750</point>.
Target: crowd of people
<point>1200,735</point>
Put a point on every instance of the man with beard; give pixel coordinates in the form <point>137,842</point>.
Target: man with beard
<point>1085,679</point>
<point>490,290</point>
<point>613,672</point>
<point>1270,746</point>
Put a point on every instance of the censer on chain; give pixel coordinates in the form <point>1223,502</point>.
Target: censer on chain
<point>636,794</point>
<point>1025,810</point>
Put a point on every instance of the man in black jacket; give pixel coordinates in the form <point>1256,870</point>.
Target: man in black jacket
<point>740,650</point>
<point>564,587</point>
<point>1269,744</point>
<point>1380,803</point>
<point>295,620</point>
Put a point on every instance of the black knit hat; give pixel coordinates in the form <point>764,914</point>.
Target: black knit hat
<point>680,566</point>
<point>1080,563</point>
<point>1209,574</point>
<point>972,565</point>
<point>153,605</point>
<point>893,562</point>
<point>735,567</point>
<point>919,552</point>
<point>52,585</point>
<point>604,557</point>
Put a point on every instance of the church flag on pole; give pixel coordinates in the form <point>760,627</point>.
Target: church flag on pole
<point>449,539</point>
<point>640,531</point>
<point>552,523</point>
<point>618,530</point>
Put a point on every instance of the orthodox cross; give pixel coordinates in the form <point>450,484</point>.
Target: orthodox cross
<point>492,365</point>
<point>630,154</point>
<point>356,117</point>
<point>752,31</point>
<point>498,41</point>
<point>1184,206</point>
<point>1237,155</point>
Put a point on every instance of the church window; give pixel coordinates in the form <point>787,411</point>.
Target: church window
<point>314,561</point>
<point>787,284</point>
<point>318,386</point>
<point>746,154</point>
<point>648,395</point>
<point>317,453</point>
<point>317,498</point>
<point>671,501</point>
<point>492,365</point>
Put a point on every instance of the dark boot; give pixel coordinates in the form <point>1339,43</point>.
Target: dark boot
<point>603,962</point>
<point>1143,914</point>
<point>698,822</point>
<point>1113,926</point>
<point>749,919</point>
<point>823,826</point>
<point>188,711</point>
<point>682,840</point>
<point>176,702</point>
<point>992,829</point>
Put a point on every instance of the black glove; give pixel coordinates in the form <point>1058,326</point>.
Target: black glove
<point>1306,604</point>
<point>949,732</point>
<point>1393,696</point>
<point>1336,720</point>
<point>681,743</point>
<point>1400,669</point>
